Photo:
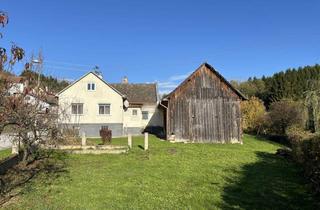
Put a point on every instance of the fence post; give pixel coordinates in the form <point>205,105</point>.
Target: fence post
<point>15,147</point>
<point>84,139</point>
<point>130,141</point>
<point>146,139</point>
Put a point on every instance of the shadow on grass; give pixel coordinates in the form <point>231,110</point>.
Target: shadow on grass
<point>141,147</point>
<point>271,183</point>
<point>272,139</point>
<point>48,167</point>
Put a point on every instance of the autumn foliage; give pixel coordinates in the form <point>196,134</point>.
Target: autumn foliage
<point>253,115</point>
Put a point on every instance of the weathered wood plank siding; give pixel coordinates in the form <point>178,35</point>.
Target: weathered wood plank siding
<point>204,109</point>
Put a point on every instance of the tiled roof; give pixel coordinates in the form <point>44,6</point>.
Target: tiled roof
<point>138,93</point>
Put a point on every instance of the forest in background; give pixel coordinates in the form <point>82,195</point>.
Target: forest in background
<point>293,83</point>
<point>51,83</point>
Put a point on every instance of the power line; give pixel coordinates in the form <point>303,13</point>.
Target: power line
<point>68,63</point>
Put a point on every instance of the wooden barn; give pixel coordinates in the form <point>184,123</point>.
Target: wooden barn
<point>204,108</point>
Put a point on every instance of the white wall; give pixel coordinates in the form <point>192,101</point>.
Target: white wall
<point>103,94</point>
<point>131,120</point>
<point>155,115</point>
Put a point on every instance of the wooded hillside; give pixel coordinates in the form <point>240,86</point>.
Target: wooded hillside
<point>53,84</point>
<point>290,84</point>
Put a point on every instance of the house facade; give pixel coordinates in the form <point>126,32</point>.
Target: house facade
<point>91,103</point>
<point>204,108</point>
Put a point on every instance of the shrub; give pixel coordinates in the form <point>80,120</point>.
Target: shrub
<point>71,136</point>
<point>306,151</point>
<point>296,135</point>
<point>253,115</point>
<point>284,114</point>
<point>106,135</point>
<point>311,161</point>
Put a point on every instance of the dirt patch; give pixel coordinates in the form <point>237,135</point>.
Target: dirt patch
<point>12,182</point>
<point>172,151</point>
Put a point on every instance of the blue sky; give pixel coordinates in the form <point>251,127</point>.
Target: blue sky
<point>165,40</point>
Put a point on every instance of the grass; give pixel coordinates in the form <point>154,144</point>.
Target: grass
<point>173,176</point>
<point>5,153</point>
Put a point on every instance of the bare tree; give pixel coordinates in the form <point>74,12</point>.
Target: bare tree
<point>24,110</point>
<point>6,63</point>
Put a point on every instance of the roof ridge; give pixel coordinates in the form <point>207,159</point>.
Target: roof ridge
<point>119,83</point>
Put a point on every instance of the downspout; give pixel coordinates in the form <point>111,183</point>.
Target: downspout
<point>166,120</point>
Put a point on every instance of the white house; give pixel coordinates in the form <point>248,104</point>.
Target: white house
<point>20,85</point>
<point>91,103</point>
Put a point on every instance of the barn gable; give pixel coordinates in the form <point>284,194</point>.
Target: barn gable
<point>210,78</point>
<point>204,108</point>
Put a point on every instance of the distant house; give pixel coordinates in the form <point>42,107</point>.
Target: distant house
<point>91,104</point>
<point>204,108</point>
<point>20,85</point>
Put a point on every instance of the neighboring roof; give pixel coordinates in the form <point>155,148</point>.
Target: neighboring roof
<point>11,77</point>
<point>218,75</point>
<point>52,100</point>
<point>117,91</point>
<point>138,93</point>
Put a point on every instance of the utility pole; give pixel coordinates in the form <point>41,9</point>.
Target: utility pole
<point>38,66</point>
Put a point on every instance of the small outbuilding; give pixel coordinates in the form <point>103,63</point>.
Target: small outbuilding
<point>204,108</point>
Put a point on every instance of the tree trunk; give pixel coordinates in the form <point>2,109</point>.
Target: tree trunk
<point>25,156</point>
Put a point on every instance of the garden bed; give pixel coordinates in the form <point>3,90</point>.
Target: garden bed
<point>90,149</point>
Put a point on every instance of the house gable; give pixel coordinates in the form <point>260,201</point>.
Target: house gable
<point>103,94</point>
<point>96,78</point>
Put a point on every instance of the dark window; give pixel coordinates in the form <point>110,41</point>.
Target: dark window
<point>77,108</point>
<point>104,108</point>
<point>134,112</point>
<point>145,115</point>
<point>91,86</point>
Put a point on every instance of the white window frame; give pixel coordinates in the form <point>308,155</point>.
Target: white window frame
<point>143,115</point>
<point>104,105</point>
<point>90,85</point>
<point>134,112</point>
<point>78,109</point>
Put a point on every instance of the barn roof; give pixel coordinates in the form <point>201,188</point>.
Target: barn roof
<point>237,92</point>
<point>138,93</point>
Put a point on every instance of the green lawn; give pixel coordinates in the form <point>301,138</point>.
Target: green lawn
<point>5,153</point>
<point>172,176</point>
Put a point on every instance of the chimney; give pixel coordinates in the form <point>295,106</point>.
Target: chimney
<point>125,80</point>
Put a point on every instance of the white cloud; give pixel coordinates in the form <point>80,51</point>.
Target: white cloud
<point>167,85</point>
<point>66,79</point>
<point>171,83</point>
<point>179,77</point>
